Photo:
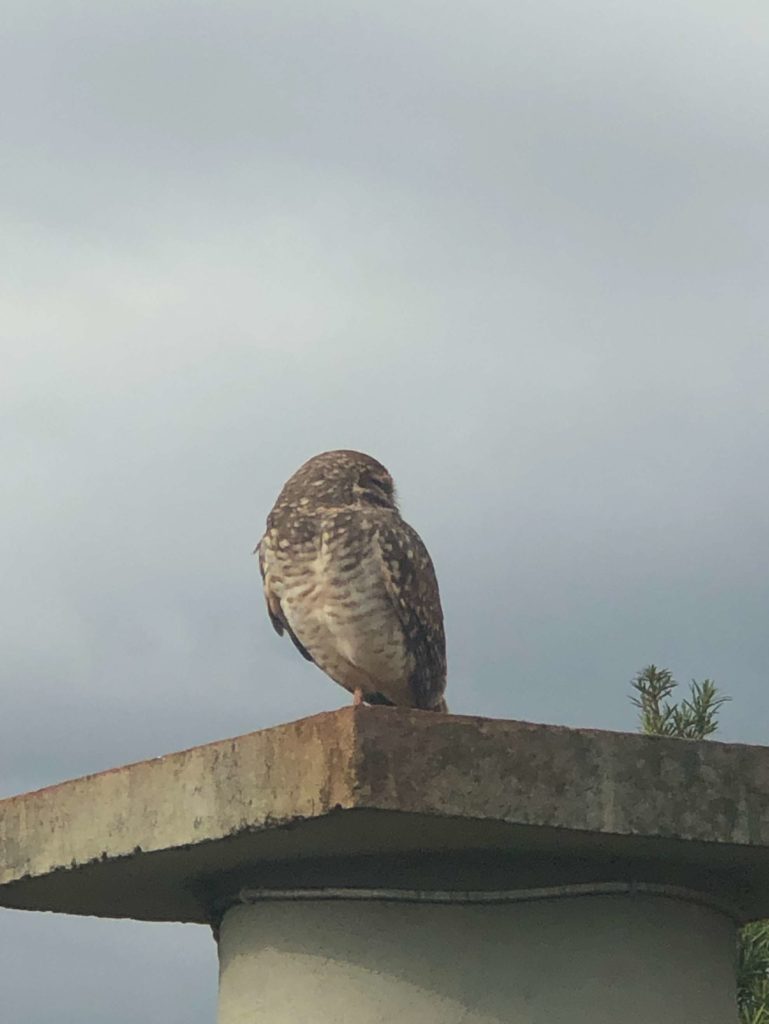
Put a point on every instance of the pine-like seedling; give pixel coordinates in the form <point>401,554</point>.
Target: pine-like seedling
<point>693,718</point>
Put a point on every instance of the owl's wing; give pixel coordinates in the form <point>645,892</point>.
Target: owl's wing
<point>413,589</point>
<point>275,612</point>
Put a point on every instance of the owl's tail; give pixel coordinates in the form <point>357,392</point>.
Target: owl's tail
<point>379,698</point>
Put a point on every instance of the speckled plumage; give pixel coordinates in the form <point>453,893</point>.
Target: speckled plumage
<point>353,584</point>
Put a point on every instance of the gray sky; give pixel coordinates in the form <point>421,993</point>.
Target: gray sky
<point>515,251</point>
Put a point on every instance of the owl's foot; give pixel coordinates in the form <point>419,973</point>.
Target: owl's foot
<point>357,697</point>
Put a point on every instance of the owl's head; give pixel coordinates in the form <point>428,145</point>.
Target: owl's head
<point>340,478</point>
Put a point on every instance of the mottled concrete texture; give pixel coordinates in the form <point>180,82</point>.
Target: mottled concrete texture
<point>385,797</point>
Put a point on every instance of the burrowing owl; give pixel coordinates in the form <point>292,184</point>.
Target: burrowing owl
<point>353,585</point>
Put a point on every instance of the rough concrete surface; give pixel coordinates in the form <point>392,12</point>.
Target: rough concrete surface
<point>390,796</point>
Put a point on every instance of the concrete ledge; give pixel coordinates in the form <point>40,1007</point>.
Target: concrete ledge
<point>386,796</point>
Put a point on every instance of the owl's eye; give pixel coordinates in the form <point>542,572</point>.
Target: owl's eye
<point>377,489</point>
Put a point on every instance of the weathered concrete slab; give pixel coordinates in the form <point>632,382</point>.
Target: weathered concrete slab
<point>393,797</point>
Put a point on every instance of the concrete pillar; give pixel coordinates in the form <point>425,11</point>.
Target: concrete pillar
<point>388,866</point>
<point>551,958</point>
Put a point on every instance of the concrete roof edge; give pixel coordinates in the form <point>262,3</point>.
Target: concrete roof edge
<point>183,799</point>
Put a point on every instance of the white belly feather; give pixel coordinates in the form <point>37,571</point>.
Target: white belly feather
<point>346,621</point>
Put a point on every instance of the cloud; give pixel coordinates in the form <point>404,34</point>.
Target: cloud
<point>517,253</point>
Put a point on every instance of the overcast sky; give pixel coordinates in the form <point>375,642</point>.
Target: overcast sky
<point>516,251</point>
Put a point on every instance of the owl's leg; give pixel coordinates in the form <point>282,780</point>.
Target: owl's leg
<point>357,696</point>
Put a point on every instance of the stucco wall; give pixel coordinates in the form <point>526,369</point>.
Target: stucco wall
<point>576,960</point>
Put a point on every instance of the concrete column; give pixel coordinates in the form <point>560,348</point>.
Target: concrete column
<point>553,957</point>
<point>389,866</point>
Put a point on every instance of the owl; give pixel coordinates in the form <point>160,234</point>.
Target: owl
<point>352,583</point>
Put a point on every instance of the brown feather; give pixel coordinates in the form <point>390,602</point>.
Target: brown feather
<point>275,612</point>
<point>410,581</point>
